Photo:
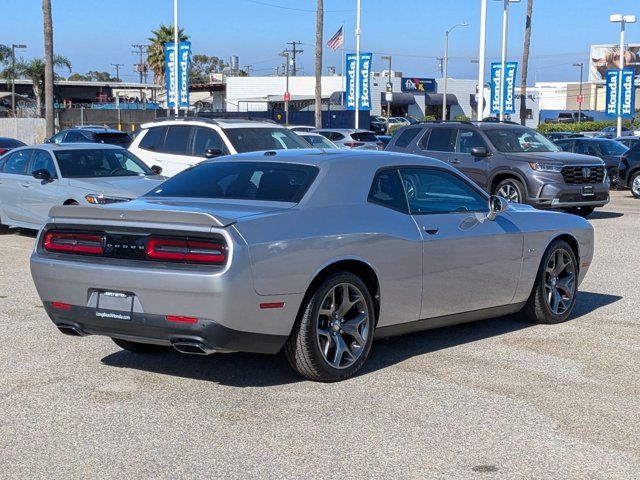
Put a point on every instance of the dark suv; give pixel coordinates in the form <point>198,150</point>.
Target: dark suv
<point>629,170</point>
<point>92,134</point>
<point>515,162</point>
<point>609,151</point>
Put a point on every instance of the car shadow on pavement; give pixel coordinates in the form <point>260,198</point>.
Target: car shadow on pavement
<point>598,215</point>
<point>254,370</point>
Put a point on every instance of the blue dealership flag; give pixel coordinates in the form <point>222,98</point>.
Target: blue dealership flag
<point>179,91</point>
<point>620,93</point>
<point>364,81</point>
<point>506,83</point>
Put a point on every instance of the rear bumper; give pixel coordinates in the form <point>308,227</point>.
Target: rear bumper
<point>155,329</point>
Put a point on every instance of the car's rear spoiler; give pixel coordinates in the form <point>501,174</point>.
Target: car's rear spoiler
<point>170,218</point>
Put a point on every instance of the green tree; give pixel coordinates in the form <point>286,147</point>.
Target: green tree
<point>34,70</point>
<point>202,66</point>
<point>76,77</point>
<point>155,54</point>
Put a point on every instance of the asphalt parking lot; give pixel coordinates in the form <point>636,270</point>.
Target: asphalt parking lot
<point>494,399</point>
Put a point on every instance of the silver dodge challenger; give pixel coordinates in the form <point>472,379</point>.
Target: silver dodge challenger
<point>313,252</point>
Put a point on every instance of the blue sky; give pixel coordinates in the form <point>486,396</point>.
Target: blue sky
<point>96,33</point>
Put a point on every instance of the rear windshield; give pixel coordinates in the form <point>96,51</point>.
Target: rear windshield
<point>282,182</point>
<point>318,141</point>
<point>364,137</point>
<point>256,139</point>
<point>611,147</point>
<point>113,138</point>
<point>10,143</point>
<point>95,162</point>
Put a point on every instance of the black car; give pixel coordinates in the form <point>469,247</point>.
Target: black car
<point>629,170</point>
<point>608,150</point>
<point>612,132</point>
<point>7,144</point>
<point>378,125</point>
<point>628,141</point>
<point>92,134</point>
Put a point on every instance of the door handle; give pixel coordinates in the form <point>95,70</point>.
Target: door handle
<point>26,185</point>
<point>431,230</point>
<point>455,161</point>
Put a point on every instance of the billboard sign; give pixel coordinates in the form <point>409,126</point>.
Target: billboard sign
<point>364,81</point>
<point>418,85</point>
<point>508,84</point>
<point>179,91</point>
<point>607,57</point>
<point>621,93</point>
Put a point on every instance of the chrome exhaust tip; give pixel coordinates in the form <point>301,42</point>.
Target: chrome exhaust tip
<point>192,348</point>
<point>70,330</point>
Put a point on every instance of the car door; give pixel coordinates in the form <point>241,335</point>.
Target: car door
<point>156,147</point>
<point>439,143</point>
<point>14,183</point>
<point>42,194</point>
<point>469,262</point>
<point>476,168</point>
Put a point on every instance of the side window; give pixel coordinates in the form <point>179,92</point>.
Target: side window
<point>586,149</point>
<point>16,163</point>
<point>42,161</point>
<point>565,146</point>
<point>438,191</point>
<point>153,139</point>
<point>204,139</point>
<point>336,136</point>
<point>75,137</point>
<point>177,140</point>
<point>387,190</point>
<point>406,137</point>
<point>468,139</point>
<point>57,138</point>
<point>442,139</point>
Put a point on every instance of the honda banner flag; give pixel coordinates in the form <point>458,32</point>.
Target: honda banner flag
<point>506,83</point>
<point>621,93</point>
<point>181,89</point>
<point>364,81</point>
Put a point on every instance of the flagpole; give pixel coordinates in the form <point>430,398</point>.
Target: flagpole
<point>342,69</point>
<point>175,55</point>
<point>357,123</point>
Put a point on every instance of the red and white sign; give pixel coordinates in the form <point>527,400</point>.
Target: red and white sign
<point>580,98</point>
<point>287,97</point>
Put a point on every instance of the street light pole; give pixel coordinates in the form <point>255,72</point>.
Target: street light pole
<point>388,57</point>
<point>622,20</point>
<point>446,67</point>
<point>481,60</point>
<point>581,98</point>
<point>13,76</point>
<point>505,29</point>
<point>287,97</point>
<point>357,123</point>
<point>175,57</point>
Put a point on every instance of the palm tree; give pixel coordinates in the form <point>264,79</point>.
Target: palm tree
<point>35,70</point>
<point>48,68</point>
<point>155,53</point>
<point>5,53</point>
<point>318,63</point>
<point>525,63</point>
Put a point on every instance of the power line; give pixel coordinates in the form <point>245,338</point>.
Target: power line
<point>117,66</point>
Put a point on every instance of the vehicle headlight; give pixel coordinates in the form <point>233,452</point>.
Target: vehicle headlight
<point>99,199</point>
<point>546,167</point>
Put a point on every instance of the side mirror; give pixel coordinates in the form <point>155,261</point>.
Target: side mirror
<point>212,152</point>
<point>480,152</point>
<point>42,174</point>
<point>156,169</point>
<point>496,205</point>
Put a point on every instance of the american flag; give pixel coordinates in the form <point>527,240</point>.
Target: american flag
<point>336,41</point>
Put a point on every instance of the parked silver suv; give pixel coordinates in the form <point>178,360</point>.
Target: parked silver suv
<point>513,161</point>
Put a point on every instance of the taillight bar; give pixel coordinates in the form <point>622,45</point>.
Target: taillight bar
<point>188,251</point>
<point>67,242</point>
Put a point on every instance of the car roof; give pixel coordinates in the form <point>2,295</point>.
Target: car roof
<point>94,129</point>
<point>222,122</point>
<point>58,147</point>
<point>343,130</point>
<point>311,134</point>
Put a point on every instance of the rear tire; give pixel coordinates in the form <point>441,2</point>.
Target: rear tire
<point>511,190</point>
<point>332,336</point>
<point>556,287</point>
<point>581,211</point>
<point>140,348</point>
<point>634,184</point>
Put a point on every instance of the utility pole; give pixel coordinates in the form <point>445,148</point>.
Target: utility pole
<point>446,67</point>
<point>286,95</point>
<point>358,32</point>
<point>294,51</point>
<point>141,67</point>
<point>117,67</point>
<point>389,89</point>
<point>481,58</point>
<point>441,65</point>
<point>580,97</point>
<point>13,76</point>
<point>247,68</point>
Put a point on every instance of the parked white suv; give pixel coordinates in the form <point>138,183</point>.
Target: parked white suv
<point>178,143</point>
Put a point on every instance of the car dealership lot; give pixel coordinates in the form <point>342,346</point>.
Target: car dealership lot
<point>494,399</point>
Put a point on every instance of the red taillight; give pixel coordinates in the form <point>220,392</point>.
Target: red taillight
<point>68,242</point>
<point>181,319</point>
<point>3,151</point>
<point>190,251</point>
<point>353,144</point>
<point>61,306</point>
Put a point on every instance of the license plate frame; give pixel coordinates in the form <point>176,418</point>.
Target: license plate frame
<point>114,305</point>
<point>587,191</point>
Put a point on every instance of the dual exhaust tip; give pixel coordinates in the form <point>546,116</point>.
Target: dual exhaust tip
<point>191,347</point>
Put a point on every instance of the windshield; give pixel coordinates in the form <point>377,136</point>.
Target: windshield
<point>518,140</point>
<point>282,182</point>
<point>94,162</point>
<point>256,139</point>
<point>611,147</point>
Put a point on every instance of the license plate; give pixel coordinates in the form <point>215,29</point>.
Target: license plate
<point>587,191</point>
<point>114,305</point>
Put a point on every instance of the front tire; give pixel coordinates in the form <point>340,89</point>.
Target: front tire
<point>140,348</point>
<point>511,190</point>
<point>556,287</point>
<point>634,184</point>
<point>333,333</point>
